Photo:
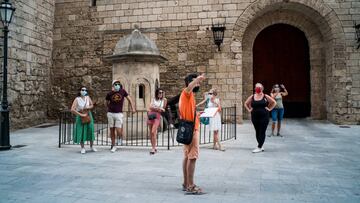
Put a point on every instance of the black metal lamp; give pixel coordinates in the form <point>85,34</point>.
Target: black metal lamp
<point>218,32</point>
<point>6,14</point>
<point>357,33</point>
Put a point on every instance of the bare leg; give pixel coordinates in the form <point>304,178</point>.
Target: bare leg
<point>154,134</point>
<point>272,128</point>
<point>112,136</point>
<point>216,139</point>
<point>278,126</point>
<point>190,171</point>
<point>82,144</point>
<point>185,172</point>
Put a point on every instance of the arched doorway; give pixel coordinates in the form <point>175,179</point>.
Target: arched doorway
<point>281,56</point>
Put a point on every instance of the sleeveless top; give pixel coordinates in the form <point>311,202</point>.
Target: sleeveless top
<point>213,104</point>
<point>259,105</point>
<point>158,103</point>
<point>82,103</point>
<point>279,103</point>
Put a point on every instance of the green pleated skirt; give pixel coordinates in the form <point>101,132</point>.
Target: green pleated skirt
<point>83,132</point>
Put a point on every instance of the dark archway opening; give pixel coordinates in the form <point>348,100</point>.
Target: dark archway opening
<point>281,56</point>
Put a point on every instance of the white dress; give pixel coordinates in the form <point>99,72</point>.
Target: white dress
<point>215,122</point>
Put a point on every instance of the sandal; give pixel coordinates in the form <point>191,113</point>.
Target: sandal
<point>194,190</point>
<point>183,187</point>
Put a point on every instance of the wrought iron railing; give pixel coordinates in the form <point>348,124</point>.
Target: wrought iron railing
<point>136,131</point>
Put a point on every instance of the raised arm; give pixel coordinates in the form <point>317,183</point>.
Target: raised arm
<point>285,93</point>
<point>196,81</point>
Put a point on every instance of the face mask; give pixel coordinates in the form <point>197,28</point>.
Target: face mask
<point>258,90</point>
<point>196,89</point>
<point>117,87</point>
<point>83,93</point>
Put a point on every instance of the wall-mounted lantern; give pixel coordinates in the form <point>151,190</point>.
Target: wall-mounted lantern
<point>218,32</point>
<point>357,34</point>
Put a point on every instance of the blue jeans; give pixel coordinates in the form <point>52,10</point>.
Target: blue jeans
<point>275,113</point>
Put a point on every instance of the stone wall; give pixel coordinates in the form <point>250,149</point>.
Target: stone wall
<point>83,35</point>
<point>30,49</point>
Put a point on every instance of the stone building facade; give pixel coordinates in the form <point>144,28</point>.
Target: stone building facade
<point>30,61</point>
<point>85,31</point>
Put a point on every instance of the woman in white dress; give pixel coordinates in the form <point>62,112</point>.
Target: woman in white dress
<point>212,101</point>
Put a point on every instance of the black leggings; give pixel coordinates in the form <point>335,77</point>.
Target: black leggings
<point>260,120</point>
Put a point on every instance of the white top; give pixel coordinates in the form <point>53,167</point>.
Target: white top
<point>82,103</point>
<point>213,104</point>
<point>158,103</point>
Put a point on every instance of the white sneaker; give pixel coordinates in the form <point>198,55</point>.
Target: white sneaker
<point>93,149</point>
<point>83,151</point>
<point>262,149</point>
<point>113,149</point>
<point>256,150</point>
<point>171,126</point>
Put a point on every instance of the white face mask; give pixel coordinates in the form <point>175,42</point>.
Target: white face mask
<point>83,93</point>
<point>117,87</point>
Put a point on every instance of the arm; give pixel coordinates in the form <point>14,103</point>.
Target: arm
<point>73,109</point>
<point>193,83</point>
<point>272,103</point>
<point>285,93</point>
<point>247,104</point>
<point>131,103</point>
<point>91,104</point>
<point>219,105</point>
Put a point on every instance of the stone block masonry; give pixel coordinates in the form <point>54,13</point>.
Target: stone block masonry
<point>30,61</point>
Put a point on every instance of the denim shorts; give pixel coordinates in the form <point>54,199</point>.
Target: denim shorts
<point>277,114</point>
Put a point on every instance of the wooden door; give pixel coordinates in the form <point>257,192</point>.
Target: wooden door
<point>281,56</point>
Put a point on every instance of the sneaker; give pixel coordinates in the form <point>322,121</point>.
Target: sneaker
<point>83,151</point>
<point>278,134</point>
<point>171,126</point>
<point>256,150</point>
<point>262,149</point>
<point>272,134</point>
<point>113,149</point>
<point>93,149</point>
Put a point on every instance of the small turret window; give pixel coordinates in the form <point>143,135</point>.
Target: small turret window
<point>141,91</point>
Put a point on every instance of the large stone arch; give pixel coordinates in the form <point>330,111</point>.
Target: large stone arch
<point>326,43</point>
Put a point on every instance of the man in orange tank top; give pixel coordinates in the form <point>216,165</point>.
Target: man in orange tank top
<point>187,108</point>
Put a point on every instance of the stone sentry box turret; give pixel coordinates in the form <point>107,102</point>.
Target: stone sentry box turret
<point>135,62</point>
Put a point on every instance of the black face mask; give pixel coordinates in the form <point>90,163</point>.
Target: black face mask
<point>196,89</point>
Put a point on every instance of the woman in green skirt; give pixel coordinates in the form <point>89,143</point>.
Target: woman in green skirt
<point>84,122</point>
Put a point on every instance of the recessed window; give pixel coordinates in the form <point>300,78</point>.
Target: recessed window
<point>93,2</point>
<point>141,91</point>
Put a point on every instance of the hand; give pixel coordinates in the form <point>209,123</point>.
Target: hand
<point>250,110</point>
<point>201,77</point>
<point>267,108</point>
<point>83,114</point>
<point>133,111</point>
<point>282,86</point>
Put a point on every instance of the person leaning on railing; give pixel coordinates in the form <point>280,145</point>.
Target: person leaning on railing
<point>84,121</point>
<point>157,107</point>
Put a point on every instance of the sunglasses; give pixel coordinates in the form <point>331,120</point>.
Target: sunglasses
<point>210,93</point>
<point>84,90</point>
<point>116,84</point>
<point>161,92</point>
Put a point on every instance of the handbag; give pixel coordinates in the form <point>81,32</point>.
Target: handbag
<point>151,116</point>
<point>205,120</point>
<point>86,119</point>
<point>185,131</point>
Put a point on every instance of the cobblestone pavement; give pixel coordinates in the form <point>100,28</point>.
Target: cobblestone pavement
<point>314,162</point>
